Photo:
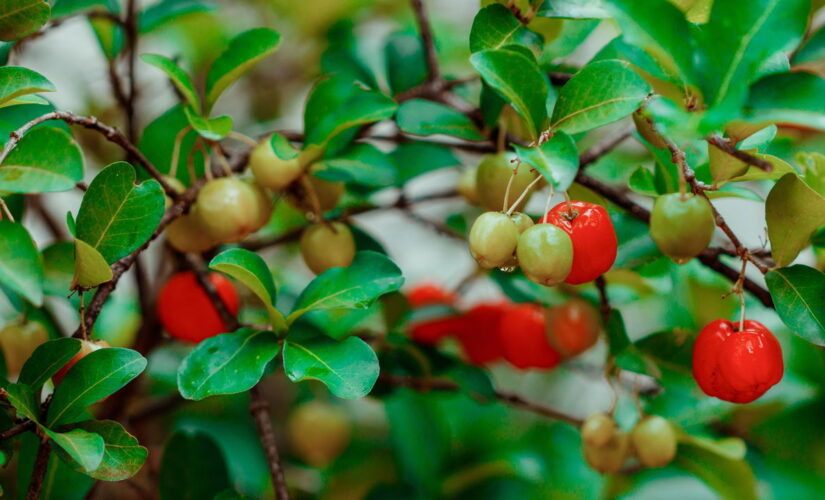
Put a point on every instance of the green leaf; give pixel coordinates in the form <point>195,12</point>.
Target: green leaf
<point>21,265</point>
<point>90,268</point>
<point>780,168</point>
<point>731,479</point>
<point>412,159</point>
<point>518,79</point>
<point>600,93</point>
<point>46,360</point>
<point>19,18</point>
<point>369,276</point>
<point>192,468</point>
<point>26,99</point>
<point>573,9</point>
<point>422,117</point>
<point>617,337</point>
<point>166,11</point>
<point>348,367</point>
<point>798,293</point>
<point>243,52</point>
<point>177,76</point>
<point>158,143</point>
<point>122,455</point>
<point>96,376</point>
<point>65,8</point>
<point>732,448</point>
<point>557,160</point>
<point>636,247</point>
<point>251,270</point>
<point>788,98</point>
<point>642,181</point>
<point>814,166</point>
<point>404,60</point>
<point>496,26</point>
<point>84,448</point>
<point>361,163</point>
<point>23,399</point>
<point>45,160</point>
<point>282,147</point>
<point>228,363</point>
<point>724,166</point>
<point>16,82</point>
<point>213,129</point>
<point>117,216</point>
<point>793,212</point>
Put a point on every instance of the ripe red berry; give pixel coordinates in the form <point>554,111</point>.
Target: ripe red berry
<point>442,322</point>
<point>524,339</point>
<point>185,310</point>
<point>479,333</point>
<point>86,347</point>
<point>430,332</point>
<point>427,294</point>
<point>736,366</point>
<point>573,327</point>
<point>593,237</point>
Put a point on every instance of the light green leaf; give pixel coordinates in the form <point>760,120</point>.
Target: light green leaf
<point>45,160</point>
<point>177,76</point>
<point>282,147</point>
<point>361,163</point>
<point>422,117</point>
<point>84,448</point>
<point>641,181</point>
<point>213,129</point>
<point>798,293</point>
<point>122,455</point>
<point>26,99</point>
<point>495,26</point>
<point>724,166</point>
<point>46,360</point>
<point>16,82</point>
<point>731,479</point>
<point>573,9</point>
<point>557,160</point>
<point>780,168</point>
<point>348,367</point>
<point>814,166</point>
<point>732,448</point>
<point>788,98</point>
<point>21,265</point>
<point>19,18</point>
<point>166,11</point>
<point>793,212</point>
<point>90,268</point>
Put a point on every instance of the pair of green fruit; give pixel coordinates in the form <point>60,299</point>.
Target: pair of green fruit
<point>486,185</point>
<point>606,447</point>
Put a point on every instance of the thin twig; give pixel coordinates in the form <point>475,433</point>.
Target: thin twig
<point>724,145</point>
<point>259,409</point>
<point>41,462</point>
<point>426,33</point>
<point>202,275</point>
<point>17,429</point>
<point>604,301</point>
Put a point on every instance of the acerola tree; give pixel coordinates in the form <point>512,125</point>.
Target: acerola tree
<point>627,207</point>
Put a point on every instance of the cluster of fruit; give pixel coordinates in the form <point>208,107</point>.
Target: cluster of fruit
<point>607,448</point>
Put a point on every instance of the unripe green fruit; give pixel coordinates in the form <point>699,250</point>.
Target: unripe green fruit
<point>328,193</point>
<point>176,185</point>
<point>19,342</point>
<point>264,205</point>
<point>492,179</point>
<point>598,429</point>
<point>523,221</point>
<point>269,170</point>
<point>493,239</point>
<point>323,247</point>
<point>228,209</point>
<point>186,235</point>
<point>609,458</point>
<point>681,225</point>
<point>647,130</point>
<point>318,432</point>
<point>654,440</point>
<point>545,254</point>
<point>466,185</point>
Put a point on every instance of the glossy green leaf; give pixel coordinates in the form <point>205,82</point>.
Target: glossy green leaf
<point>96,376</point>
<point>23,399</point>
<point>251,270</point>
<point>177,76</point>
<point>518,79</point>
<point>573,9</point>
<point>116,215</point>
<point>422,117</point>
<point>557,160</point>
<point>600,93</point>
<point>46,360</point>
<point>21,265</point>
<point>412,159</point>
<point>788,98</point>
<point>349,368</point>
<point>496,26</point>
<point>45,160</point>
<point>193,468</point>
<point>166,11</point>
<point>26,99</point>
<point>84,448</point>
<point>19,18</point>
<point>158,143</point>
<point>793,212</point>
<point>228,363</point>
<point>360,164</point>
<point>213,129</point>
<point>404,59</point>
<point>90,268</point>
<point>65,8</point>
<point>642,181</point>
<point>798,293</point>
<point>243,52</point>
<point>16,82</point>
<point>122,456</point>
<point>282,147</point>
<point>369,276</point>
<point>730,479</point>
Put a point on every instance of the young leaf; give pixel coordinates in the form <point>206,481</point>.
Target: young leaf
<point>496,26</point>
<point>45,160</point>
<point>213,129</point>
<point>642,181</point>
<point>793,212</point>
<point>600,93</point>
<point>19,18</point>
<point>361,163</point>
<point>90,268</point>
<point>798,293</point>
<point>96,376</point>
<point>16,82</point>
<point>355,287</point>
<point>177,76</point>
<point>228,363</point>
<point>193,467</point>
<point>21,265</point>
<point>116,215</point>
<point>243,52</point>
<point>122,455</point>
<point>518,79</point>
<point>422,117</point>
<point>788,98</point>
<point>46,360</point>
<point>348,367</point>
<point>557,160</point>
<point>158,143</point>
<point>83,448</point>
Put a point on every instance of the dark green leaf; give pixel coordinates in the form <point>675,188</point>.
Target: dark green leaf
<point>84,448</point>
<point>45,160</point>
<point>404,56</point>
<point>617,337</point>
<point>167,11</point>
<point>46,360</point>
<point>58,260</point>
<point>110,36</point>
<point>636,247</point>
<point>19,18</point>
<point>90,268</point>
<point>177,76</point>
<point>557,160</point>
<point>422,117</point>
<point>788,98</point>
<point>793,212</point>
<point>16,82</point>
<point>360,164</point>
<point>61,482</point>
<point>122,455</point>
<point>416,158</point>
<point>495,26</point>
<point>158,144</point>
<point>65,8</point>
<point>193,468</point>
<point>798,293</point>
<point>21,265</point>
<point>23,399</point>
<point>213,129</point>
<point>348,367</point>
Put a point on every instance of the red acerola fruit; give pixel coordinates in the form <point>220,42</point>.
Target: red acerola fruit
<point>736,366</point>
<point>432,331</point>
<point>524,339</point>
<point>427,294</point>
<point>187,313</point>
<point>573,327</point>
<point>479,333</point>
<point>86,347</point>
<point>593,237</point>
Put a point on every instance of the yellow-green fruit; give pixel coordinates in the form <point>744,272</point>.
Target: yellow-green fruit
<point>608,458</point>
<point>492,179</point>
<point>324,247</point>
<point>598,429</point>
<point>681,225</point>
<point>19,342</point>
<point>466,185</point>
<point>493,239</point>
<point>227,209</point>
<point>545,254</point>
<point>176,185</point>
<point>186,235</point>
<point>329,193</point>
<point>318,432</point>
<point>264,205</point>
<point>654,440</point>
<point>269,170</point>
<point>522,221</point>
<point>646,129</point>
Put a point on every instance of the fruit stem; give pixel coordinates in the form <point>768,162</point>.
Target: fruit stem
<point>570,214</point>
<point>316,203</point>
<point>243,138</point>
<point>550,195</point>
<point>523,194</point>
<point>227,170</point>
<point>173,167</point>
<point>207,165</point>
<point>6,211</point>
<point>505,203</point>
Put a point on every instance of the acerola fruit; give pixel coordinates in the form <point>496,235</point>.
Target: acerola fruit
<point>545,254</point>
<point>186,235</point>
<point>426,294</point>
<point>185,310</point>
<point>598,430</point>
<point>522,221</point>
<point>269,170</point>
<point>654,440</point>
<point>433,329</point>
<point>176,185</point>
<point>324,246</point>
<point>493,239</point>
<point>681,225</point>
<point>609,458</point>
<point>264,207</point>
<point>86,347</point>
<point>573,327</point>
<point>466,185</point>
<point>523,340</point>
<point>479,335</point>
<point>493,177</point>
<point>19,342</point>
<point>592,235</point>
<point>228,209</point>
<point>319,432</point>
<point>736,366</point>
<point>328,193</point>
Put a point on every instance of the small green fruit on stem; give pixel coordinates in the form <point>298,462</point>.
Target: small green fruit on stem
<point>682,225</point>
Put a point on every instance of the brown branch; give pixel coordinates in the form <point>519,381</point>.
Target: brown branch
<point>131,46</point>
<point>17,429</point>
<point>41,462</point>
<point>427,40</point>
<point>724,145</point>
<point>202,275</point>
<point>259,409</point>
<point>604,301</point>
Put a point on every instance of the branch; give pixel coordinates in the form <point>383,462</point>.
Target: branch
<point>724,145</point>
<point>131,40</point>
<point>259,409</point>
<point>604,301</point>
<point>41,462</point>
<point>425,30</point>
<point>202,275</point>
<point>16,430</point>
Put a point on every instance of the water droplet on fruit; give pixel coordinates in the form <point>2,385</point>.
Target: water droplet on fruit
<point>507,269</point>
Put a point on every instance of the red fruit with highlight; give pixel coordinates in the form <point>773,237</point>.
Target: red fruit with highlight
<point>427,294</point>
<point>573,327</point>
<point>736,366</point>
<point>593,237</point>
<point>479,334</point>
<point>524,339</point>
<point>187,313</point>
<point>432,331</point>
